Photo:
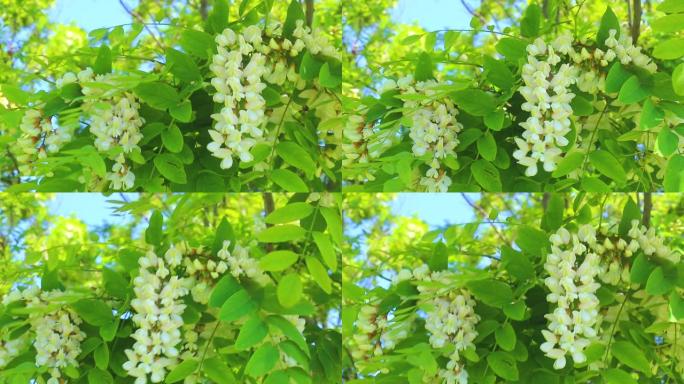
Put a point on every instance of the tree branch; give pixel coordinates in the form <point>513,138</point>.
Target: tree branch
<point>204,5</point>
<point>648,207</point>
<point>140,19</point>
<point>484,217</point>
<point>636,23</point>
<point>309,12</point>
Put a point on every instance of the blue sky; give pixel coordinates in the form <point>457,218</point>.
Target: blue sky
<point>92,208</point>
<point>433,14</point>
<point>91,14</point>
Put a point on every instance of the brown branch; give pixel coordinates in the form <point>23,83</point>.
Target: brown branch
<point>204,5</point>
<point>269,206</point>
<point>473,12</point>
<point>648,207</point>
<point>309,12</point>
<point>636,23</point>
<point>484,217</point>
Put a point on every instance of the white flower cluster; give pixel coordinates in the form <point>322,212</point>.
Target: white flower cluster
<point>57,334</point>
<point>377,333</point>
<point>241,264</point>
<point>451,319</point>
<point>356,133</point>
<point>202,274</point>
<point>572,267</point>
<point>547,98</point>
<point>650,243</point>
<point>158,311</point>
<point>11,348</point>
<point>550,71</point>
<point>244,62</point>
<point>434,128</point>
<point>115,122</point>
<point>39,137</point>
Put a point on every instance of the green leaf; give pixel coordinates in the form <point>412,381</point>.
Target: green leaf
<point>516,263</point>
<point>225,288</point>
<point>608,21</point>
<point>630,212</point>
<point>157,95</point>
<point>262,361</point>
<point>669,23</point>
<point>491,292</point>
<point>171,167</point>
<point>218,17</point>
<point>531,240</point>
<point>424,67</point>
<point>182,66</point>
<point>659,283</point>
<point>671,6</point>
<point>218,371</point>
<point>288,180</point>
<point>668,141</point>
<point>669,49</point>
<point>515,310</point>
<point>289,330</point>
<point>676,305</point>
<point>499,74</point>
<point>511,48</point>
<point>678,79</point>
<point>224,233</point>
<point>115,284</point>
<point>553,216</point>
<point>641,269</point>
<point>281,233</point>
<point>94,312</point>
<point>617,75</point>
<point>571,162</point>
<point>503,365</point>
<point>651,116</point>
<point>182,370</point>
<point>319,274</point>
<point>98,376</point>
<point>182,112</point>
<point>608,165</point>
<point>334,222</point>
<point>486,146</point>
<point>172,137</point>
<point>289,290</point>
<point>296,156</point>
<point>495,120</point>
<point>108,331</point>
<point>101,356</point>
<point>632,92</point>
<point>674,174</point>
<point>581,106</point>
<point>289,213</point>
<point>237,306</point>
<point>439,260</point>
<point>618,376</point>
<point>251,333</point>
<point>325,247</point>
<point>632,356</point>
<point>278,260</point>
<point>531,21</point>
<point>505,337</point>
<point>294,13</point>
<point>103,61</point>
<point>328,78</point>
<point>486,175</point>
<point>474,101</point>
<point>197,43</point>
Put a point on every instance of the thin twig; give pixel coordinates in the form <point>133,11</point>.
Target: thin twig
<point>484,217</point>
<point>140,19</point>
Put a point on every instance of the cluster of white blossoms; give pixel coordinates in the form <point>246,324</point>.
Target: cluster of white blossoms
<point>377,333</point>
<point>650,243</point>
<point>55,330</point>
<point>39,137</point>
<point>203,272</point>
<point>547,99</point>
<point>158,309</point>
<point>451,318</point>
<point>240,263</point>
<point>434,128</point>
<point>549,72</point>
<point>115,122</point>
<point>244,62</point>
<point>357,133</point>
<point>572,266</point>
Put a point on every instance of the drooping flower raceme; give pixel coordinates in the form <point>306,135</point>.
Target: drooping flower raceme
<point>158,311</point>
<point>57,334</point>
<point>115,122</point>
<point>451,320</point>
<point>547,99</point>
<point>650,243</point>
<point>39,137</point>
<point>241,264</point>
<point>572,267</point>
